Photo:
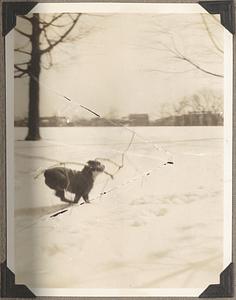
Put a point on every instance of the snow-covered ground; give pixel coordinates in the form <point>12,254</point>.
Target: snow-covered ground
<point>164,230</point>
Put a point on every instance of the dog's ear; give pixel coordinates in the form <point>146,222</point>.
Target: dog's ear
<point>92,164</point>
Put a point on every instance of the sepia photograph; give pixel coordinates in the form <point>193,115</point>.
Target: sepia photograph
<point>121,129</point>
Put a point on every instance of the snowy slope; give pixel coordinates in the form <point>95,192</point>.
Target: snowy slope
<point>162,230</point>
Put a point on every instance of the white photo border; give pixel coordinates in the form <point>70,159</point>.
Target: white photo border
<point>228,119</point>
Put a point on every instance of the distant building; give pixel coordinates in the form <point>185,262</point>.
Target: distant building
<point>195,118</point>
<point>205,118</point>
<point>138,120</point>
<point>99,122</point>
<point>45,122</point>
<point>106,122</point>
<point>54,121</point>
<point>80,122</point>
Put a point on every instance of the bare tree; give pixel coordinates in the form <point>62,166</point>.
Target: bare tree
<point>166,110</point>
<point>205,100</point>
<point>210,34</point>
<point>171,48</point>
<point>45,35</point>
<point>204,107</point>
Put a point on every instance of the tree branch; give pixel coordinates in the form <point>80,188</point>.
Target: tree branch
<point>20,69</point>
<point>20,75</point>
<point>53,25</point>
<point>210,35</point>
<point>47,24</point>
<point>23,63</point>
<point>22,51</point>
<point>169,71</point>
<point>26,18</point>
<point>24,46</point>
<point>50,62</point>
<point>46,37</point>
<point>62,37</point>
<point>49,52</point>
<point>178,55</point>
<point>20,72</point>
<point>198,67</point>
<point>23,33</point>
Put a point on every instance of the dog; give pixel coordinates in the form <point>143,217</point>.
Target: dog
<point>79,183</point>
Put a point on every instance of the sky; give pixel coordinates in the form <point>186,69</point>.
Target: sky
<point>119,64</point>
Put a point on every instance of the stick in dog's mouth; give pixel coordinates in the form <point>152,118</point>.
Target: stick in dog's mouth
<point>99,167</point>
<point>105,172</point>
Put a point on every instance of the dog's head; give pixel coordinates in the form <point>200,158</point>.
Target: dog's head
<point>95,166</point>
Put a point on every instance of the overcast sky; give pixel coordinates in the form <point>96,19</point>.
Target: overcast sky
<point>123,63</point>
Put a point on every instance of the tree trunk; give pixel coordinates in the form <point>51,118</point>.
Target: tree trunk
<point>34,73</point>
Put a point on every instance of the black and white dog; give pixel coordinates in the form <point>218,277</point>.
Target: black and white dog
<point>79,183</point>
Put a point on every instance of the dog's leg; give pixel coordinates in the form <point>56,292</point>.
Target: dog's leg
<point>86,198</point>
<point>60,194</point>
<point>77,197</point>
<point>66,200</point>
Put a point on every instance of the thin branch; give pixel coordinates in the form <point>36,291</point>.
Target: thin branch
<point>20,69</point>
<point>61,39</point>
<point>50,59</point>
<point>179,55</point>
<point>22,75</point>
<point>168,71</point>
<point>22,64</point>
<point>26,18</point>
<point>72,19</point>
<point>46,37</point>
<point>47,24</point>
<point>19,72</point>
<point>176,50</point>
<point>49,52</point>
<point>198,67</point>
<point>24,46</point>
<point>50,62</point>
<point>22,51</point>
<point>53,25</point>
<point>23,33</point>
<point>210,35</point>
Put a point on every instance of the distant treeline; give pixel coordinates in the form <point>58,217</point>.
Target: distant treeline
<point>204,118</point>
